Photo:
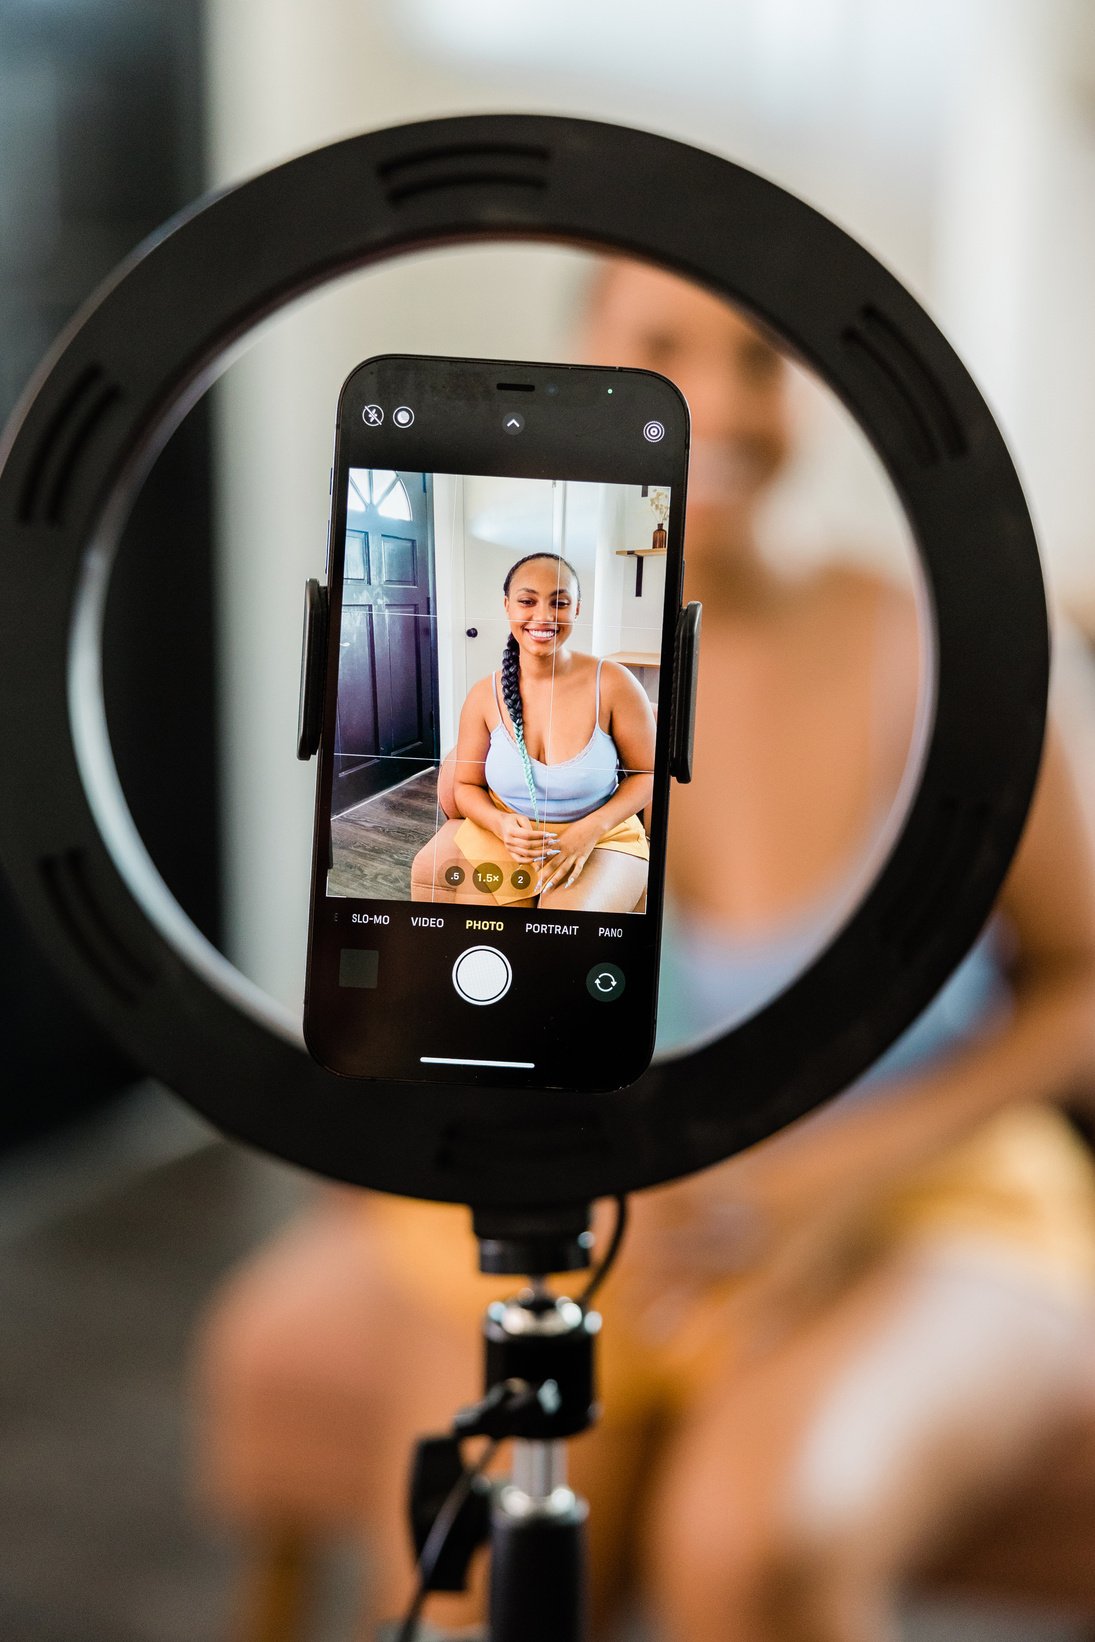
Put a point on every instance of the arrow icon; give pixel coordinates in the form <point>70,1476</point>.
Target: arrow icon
<point>514,422</point>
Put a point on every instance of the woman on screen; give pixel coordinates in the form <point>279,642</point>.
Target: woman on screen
<point>554,758</point>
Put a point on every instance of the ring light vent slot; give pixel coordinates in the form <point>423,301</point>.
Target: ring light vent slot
<point>464,165</point>
<point>932,882</point>
<point>68,433</point>
<point>79,912</point>
<point>931,426</point>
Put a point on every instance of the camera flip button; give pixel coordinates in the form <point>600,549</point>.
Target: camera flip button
<point>482,975</point>
<point>606,982</point>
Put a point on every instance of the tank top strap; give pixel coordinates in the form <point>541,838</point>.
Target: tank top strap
<point>497,703</point>
<point>597,697</point>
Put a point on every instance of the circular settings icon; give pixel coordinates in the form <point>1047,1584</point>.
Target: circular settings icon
<point>654,431</point>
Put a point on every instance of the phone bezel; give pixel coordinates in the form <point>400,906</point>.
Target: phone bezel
<point>142,350</point>
<point>609,1049</point>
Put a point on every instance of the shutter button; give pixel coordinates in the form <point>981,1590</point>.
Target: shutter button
<point>482,974</point>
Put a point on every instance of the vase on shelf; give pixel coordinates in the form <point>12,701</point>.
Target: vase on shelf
<point>658,540</point>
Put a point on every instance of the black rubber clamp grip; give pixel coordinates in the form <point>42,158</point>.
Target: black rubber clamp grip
<point>313,656</point>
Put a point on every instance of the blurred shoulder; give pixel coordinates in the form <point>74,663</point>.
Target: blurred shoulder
<point>860,588</point>
<point>856,599</point>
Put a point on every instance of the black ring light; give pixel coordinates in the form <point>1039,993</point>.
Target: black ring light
<point>120,379</point>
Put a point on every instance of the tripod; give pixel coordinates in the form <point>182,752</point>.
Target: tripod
<point>539,1390</point>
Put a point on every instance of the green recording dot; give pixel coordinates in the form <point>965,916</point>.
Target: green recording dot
<point>610,390</point>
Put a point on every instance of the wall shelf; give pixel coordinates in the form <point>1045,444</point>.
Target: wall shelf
<point>639,554</point>
<point>636,658</point>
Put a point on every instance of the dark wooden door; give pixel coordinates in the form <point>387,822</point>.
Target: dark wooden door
<point>387,679</point>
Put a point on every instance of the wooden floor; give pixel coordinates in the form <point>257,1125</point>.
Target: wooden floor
<point>373,845</point>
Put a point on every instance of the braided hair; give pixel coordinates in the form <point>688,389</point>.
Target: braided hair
<point>511,675</point>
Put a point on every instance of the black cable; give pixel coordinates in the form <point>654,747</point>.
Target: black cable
<point>611,1252</point>
<point>438,1535</point>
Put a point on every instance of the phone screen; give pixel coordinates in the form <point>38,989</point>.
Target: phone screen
<point>504,578</point>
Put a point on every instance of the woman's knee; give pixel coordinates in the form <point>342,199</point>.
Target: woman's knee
<point>611,882</point>
<point>432,867</point>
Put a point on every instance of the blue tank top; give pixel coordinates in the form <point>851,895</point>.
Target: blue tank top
<point>564,792</point>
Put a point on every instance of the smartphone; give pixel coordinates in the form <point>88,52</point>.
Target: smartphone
<point>492,697</point>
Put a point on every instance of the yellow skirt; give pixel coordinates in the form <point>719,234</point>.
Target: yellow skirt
<point>478,845</point>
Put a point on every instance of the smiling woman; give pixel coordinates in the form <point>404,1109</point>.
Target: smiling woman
<point>555,757</point>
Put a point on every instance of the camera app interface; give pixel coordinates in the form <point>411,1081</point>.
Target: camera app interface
<point>499,665</point>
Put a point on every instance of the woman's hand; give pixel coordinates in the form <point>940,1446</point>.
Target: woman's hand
<point>773,1258</point>
<point>524,840</point>
<point>575,849</point>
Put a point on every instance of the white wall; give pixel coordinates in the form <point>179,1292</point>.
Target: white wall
<point>452,684</point>
<point>1015,265</point>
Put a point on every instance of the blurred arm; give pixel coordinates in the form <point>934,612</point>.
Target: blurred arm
<point>1042,1049</point>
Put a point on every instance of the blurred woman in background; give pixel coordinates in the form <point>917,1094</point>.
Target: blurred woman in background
<point>877,1313</point>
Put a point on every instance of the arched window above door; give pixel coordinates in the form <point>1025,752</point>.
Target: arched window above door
<point>381,489</point>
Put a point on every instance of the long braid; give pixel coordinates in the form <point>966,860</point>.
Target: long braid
<point>511,695</point>
<point>511,676</point>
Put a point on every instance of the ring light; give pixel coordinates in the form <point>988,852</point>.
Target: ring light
<point>125,372</point>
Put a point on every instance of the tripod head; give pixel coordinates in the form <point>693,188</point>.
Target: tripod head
<point>533,1241</point>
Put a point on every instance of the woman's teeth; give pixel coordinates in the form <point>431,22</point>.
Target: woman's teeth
<point>541,632</point>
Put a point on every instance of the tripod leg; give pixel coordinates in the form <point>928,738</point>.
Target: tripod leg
<point>539,1563</point>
